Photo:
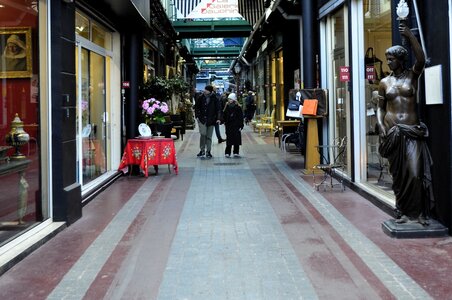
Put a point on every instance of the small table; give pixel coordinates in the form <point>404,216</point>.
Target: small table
<point>147,152</point>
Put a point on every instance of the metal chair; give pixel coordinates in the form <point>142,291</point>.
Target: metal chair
<point>266,123</point>
<point>332,164</point>
<point>296,138</point>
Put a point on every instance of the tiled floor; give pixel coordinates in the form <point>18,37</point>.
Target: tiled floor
<point>231,228</point>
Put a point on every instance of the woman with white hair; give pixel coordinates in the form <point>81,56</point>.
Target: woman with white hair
<point>233,122</point>
<point>14,56</point>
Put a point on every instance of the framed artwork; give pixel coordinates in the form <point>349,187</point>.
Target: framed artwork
<point>15,52</point>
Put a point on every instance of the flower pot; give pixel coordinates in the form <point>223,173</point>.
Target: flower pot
<point>163,128</point>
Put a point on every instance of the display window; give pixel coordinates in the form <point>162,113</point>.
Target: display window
<point>149,62</point>
<point>337,57</point>
<point>21,203</point>
<point>377,38</point>
<point>93,109</point>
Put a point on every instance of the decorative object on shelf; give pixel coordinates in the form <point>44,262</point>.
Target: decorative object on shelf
<point>144,130</point>
<point>154,110</point>
<point>17,137</point>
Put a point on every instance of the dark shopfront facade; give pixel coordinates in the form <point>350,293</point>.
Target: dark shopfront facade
<point>350,31</point>
<point>70,99</point>
<point>342,33</point>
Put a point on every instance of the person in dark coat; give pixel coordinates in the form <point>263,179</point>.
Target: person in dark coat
<point>207,113</point>
<point>233,121</point>
<point>250,107</point>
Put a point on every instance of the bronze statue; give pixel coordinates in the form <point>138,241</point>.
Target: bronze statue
<point>402,136</point>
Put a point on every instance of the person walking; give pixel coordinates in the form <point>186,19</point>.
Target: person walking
<point>250,107</point>
<point>207,113</point>
<point>233,121</point>
<point>217,125</point>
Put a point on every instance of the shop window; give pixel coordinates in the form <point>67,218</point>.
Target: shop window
<point>92,31</point>
<point>148,60</point>
<point>377,38</point>
<point>21,203</point>
<point>93,109</point>
<point>339,90</point>
<point>101,37</point>
<point>82,25</point>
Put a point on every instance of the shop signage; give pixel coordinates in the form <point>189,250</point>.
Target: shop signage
<point>344,73</point>
<point>370,73</point>
<point>201,9</point>
<point>125,84</point>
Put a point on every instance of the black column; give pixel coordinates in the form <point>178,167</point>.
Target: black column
<point>310,38</point>
<point>67,204</point>
<point>133,72</point>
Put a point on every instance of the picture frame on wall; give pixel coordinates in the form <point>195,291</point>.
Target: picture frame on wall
<point>15,52</point>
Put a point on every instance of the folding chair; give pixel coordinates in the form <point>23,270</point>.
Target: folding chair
<point>332,164</point>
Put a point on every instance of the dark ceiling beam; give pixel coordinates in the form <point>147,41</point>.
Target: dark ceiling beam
<point>216,66</point>
<point>211,29</point>
<point>216,51</point>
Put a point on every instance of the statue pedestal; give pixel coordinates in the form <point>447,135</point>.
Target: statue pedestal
<point>412,230</point>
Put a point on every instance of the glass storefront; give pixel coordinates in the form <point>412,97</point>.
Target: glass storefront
<point>339,91</point>
<point>148,62</point>
<point>92,107</point>
<point>21,202</point>
<point>377,38</point>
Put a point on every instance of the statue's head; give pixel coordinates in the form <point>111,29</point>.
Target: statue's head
<point>398,52</point>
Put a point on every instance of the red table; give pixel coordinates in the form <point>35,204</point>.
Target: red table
<point>149,152</point>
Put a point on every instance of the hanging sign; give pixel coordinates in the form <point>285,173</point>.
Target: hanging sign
<point>125,84</point>
<point>344,73</point>
<point>202,9</point>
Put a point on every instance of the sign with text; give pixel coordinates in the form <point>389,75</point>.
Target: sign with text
<point>125,84</point>
<point>202,9</point>
<point>344,73</point>
<point>370,73</point>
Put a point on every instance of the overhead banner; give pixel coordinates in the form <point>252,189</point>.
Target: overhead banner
<point>207,9</point>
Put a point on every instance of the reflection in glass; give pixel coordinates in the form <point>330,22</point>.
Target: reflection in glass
<point>22,205</point>
<point>92,116</point>
<point>377,38</point>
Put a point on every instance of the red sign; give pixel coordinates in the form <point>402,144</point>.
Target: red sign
<point>126,84</point>
<point>370,73</point>
<point>344,73</point>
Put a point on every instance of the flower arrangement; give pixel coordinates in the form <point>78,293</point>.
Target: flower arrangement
<point>154,110</point>
<point>85,106</point>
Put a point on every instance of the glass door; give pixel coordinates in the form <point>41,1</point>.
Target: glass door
<point>339,93</point>
<point>377,38</point>
<point>91,115</point>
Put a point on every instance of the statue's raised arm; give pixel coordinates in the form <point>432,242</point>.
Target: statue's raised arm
<point>419,54</point>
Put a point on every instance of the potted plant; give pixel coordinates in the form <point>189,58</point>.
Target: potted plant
<point>155,114</point>
<point>170,90</point>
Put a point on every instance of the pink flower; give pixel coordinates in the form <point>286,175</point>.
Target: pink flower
<point>155,110</point>
<point>164,108</point>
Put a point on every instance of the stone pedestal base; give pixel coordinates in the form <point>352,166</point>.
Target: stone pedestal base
<point>413,230</point>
